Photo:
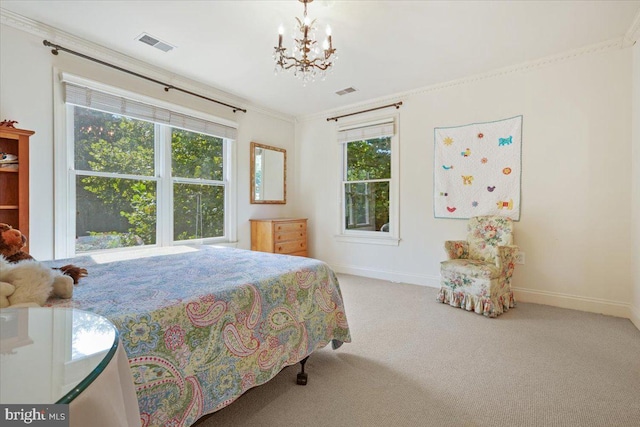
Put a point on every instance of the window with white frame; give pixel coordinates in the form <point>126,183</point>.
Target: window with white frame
<point>143,174</point>
<point>369,186</point>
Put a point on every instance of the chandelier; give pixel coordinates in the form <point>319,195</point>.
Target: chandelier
<point>307,61</point>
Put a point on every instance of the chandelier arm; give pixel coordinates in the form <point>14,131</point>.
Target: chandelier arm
<point>304,63</point>
<point>301,61</point>
<point>288,66</point>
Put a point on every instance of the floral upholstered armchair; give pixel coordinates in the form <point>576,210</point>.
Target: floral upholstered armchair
<point>477,276</point>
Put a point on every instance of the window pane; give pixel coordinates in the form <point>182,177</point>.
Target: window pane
<point>194,155</point>
<point>367,206</point>
<point>198,211</point>
<point>114,213</point>
<point>370,159</point>
<point>107,142</point>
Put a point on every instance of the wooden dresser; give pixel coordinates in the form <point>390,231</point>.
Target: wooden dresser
<point>280,236</point>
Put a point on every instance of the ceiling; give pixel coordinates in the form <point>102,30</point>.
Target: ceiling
<point>383,47</point>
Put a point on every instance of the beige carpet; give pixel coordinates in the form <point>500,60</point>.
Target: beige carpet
<point>416,362</point>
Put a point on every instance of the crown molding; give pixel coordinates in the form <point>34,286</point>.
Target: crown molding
<point>633,33</point>
<point>70,41</point>
<point>613,44</point>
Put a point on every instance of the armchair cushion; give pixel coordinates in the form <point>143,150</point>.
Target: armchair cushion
<point>472,268</point>
<point>485,234</point>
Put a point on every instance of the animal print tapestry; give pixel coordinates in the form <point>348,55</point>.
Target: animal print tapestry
<point>477,169</point>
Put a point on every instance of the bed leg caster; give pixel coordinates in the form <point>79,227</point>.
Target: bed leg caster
<point>302,378</point>
<point>302,375</point>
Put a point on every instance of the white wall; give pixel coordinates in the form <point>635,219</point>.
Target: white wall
<point>577,205</point>
<point>26,95</point>
<point>635,185</point>
<point>575,222</point>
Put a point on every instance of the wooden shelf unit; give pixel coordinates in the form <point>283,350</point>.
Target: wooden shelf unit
<point>14,182</point>
<point>287,236</point>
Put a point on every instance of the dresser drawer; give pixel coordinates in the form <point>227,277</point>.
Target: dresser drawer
<point>285,236</point>
<point>290,247</point>
<point>303,253</point>
<point>289,226</point>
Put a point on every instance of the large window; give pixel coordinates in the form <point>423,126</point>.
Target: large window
<point>137,181</point>
<point>368,189</point>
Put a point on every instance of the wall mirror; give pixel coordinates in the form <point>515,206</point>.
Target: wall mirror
<point>268,174</point>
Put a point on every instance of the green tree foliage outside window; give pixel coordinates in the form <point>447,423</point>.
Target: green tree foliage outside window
<point>198,209</point>
<point>126,207</point>
<point>367,203</point>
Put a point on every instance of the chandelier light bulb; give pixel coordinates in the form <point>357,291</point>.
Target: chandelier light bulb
<point>325,44</point>
<point>328,30</point>
<point>280,33</point>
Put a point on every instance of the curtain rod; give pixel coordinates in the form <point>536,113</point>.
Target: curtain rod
<point>167,86</point>
<point>397,105</point>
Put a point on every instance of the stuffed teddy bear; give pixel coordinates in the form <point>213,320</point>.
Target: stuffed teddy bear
<point>30,283</point>
<point>11,243</point>
<point>26,282</point>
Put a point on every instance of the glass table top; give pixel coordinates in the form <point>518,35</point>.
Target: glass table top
<point>50,355</point>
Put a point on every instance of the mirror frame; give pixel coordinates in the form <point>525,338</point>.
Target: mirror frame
<point>252,183</point>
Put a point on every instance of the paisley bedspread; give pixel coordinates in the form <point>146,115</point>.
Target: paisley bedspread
<point>203,325</point>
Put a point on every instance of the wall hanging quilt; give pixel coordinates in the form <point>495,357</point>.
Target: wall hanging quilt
<point>477,169</point>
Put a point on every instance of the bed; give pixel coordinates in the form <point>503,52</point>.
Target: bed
<point>202,325</point>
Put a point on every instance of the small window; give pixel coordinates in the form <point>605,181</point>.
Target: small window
<point>368,190</point>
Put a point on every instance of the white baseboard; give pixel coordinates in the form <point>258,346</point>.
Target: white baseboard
<point>574,302</point>
<point>392,276</point>
<point>635,316</point>
<point>556,299</point>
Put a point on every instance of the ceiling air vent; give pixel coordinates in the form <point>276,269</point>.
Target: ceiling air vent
<point>345,91</point>
<point>153,41</point>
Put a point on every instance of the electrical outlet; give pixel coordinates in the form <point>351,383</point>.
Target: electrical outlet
<point>520,258</point>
